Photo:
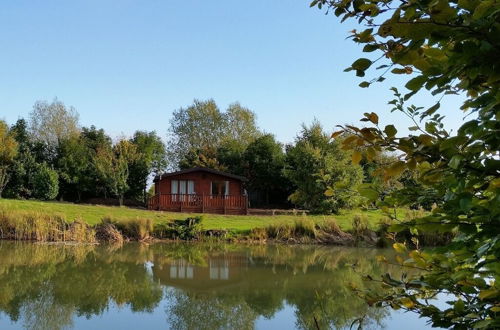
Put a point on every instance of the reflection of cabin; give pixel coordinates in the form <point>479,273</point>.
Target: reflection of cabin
<point>218,272</point>
<point>200,190</point>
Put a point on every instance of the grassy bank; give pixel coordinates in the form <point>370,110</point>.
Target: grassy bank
<point>55,222</point>
<point>94,214</point>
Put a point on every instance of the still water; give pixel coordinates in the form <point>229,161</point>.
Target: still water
<point>189,286</point>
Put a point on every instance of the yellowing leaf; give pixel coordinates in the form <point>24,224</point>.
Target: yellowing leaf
<point>399,247</point>
<point>407,302</point>
<point>336,134</point>
<point>373,117</point>
<point>395,169</point>
<point>490,293</point>
<point>371,153</point>
<point>356,157</point>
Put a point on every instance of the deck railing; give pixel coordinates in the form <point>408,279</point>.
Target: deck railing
<point>199,203</point>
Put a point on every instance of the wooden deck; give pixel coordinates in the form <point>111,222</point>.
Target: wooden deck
<point>193,203</point>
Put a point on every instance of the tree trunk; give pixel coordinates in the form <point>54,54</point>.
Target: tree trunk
<point>120,200</point>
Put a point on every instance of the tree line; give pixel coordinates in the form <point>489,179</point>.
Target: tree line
<point>50,156</point>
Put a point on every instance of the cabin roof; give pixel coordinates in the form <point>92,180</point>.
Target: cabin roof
<point>201,169</point>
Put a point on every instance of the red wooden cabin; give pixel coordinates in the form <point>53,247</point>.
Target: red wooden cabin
<point>200,190</point>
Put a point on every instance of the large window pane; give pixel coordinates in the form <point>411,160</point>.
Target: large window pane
<point>218,187</point>
<point>182,187</point>
<point>190,187</point>
<point>174,187</point>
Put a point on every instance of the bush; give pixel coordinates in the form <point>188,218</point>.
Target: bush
<point>45,183</point>
<point>187,229</point>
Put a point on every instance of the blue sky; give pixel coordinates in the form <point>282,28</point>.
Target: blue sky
<point>125,65</point>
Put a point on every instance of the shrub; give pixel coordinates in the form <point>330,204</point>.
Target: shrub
<point>45,183</point>
<point>187,229</point>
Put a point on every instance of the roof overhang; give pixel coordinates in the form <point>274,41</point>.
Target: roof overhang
<point>200,169</point>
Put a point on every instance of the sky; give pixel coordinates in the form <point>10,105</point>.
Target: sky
<point>126,65</point>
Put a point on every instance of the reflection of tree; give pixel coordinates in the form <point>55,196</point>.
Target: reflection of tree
<point>189,311</point>
<point>46,284</point>
<point>45,313</point>
<point>316,281</point>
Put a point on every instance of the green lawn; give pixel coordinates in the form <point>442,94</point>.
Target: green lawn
<point>94,213</point>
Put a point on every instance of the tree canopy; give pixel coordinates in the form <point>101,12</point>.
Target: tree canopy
<point>53,122</point>
<point>198,131</point>
<point>446,48</point>
<point>322,172</point>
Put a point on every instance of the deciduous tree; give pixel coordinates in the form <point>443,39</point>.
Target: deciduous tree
<point>321,171</point>
<point>150,160</point>
<point>263,164</point>
<point>8,152</point>
<point>202,128</point>
<point>50,123</point>
<point>113,167</point>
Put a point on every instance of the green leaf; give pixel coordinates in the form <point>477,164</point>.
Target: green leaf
<point>399,71</point>
<point>416,83</point>
<point>482,324</point>
<point>361,64</point>
<point>465,203</point>
<point>370,48</point>
<point>431,110</point>
<point>459,306</point>
<point>455,161</point>
<point>366,191</point>
<point>390,131</point>
<point>482,9</point>
<point>364,84</point>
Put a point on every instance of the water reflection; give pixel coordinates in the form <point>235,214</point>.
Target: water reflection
<point>190,286</point>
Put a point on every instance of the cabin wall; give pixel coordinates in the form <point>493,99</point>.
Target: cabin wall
<point>201,183</point>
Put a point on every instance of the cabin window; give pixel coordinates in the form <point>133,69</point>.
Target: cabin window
<point>182,187</point>
<point>190,186</point>
<point>220,188</point>
<point>174,187</point>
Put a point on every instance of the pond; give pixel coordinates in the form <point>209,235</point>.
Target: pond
<point>189,286</point>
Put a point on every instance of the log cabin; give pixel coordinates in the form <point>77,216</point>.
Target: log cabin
<point>200,190</point>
